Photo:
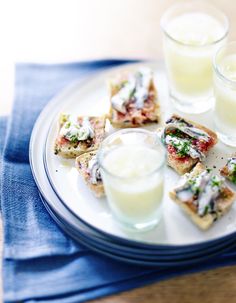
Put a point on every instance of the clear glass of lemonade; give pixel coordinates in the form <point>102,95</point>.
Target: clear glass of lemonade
<point>225,93</point>
<point>192,32</point>
<point>132,168</point>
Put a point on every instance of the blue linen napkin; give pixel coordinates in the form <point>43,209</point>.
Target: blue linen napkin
<point>40,262</point>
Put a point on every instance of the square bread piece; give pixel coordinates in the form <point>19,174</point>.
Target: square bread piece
<point>88,168</point>
<point>187,143</point>
<point>133,98</point>
<point>78,135</point>
<point>204,197</point>
<point>229,170</point>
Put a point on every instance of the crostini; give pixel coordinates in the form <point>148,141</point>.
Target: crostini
<point>203,196</point>
<point>133,99</point>
<point>187,143</point>
<point>88,167</point>
<point>78,135</point>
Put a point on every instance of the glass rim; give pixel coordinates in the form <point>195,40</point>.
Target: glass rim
<point>132,130</point>
<point>182,5</point>
<point>216,65</point>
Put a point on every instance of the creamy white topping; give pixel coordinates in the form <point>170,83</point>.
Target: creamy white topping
<point>206,201</point>
<point>121,99</point>
<point>73,131</point>
<point>136,89</point>
<point>190,186</point>
<point>143,80</point>
<point>200,181</point>
<point>86,130</point>
<point>185,195</point>
<point>94,170</point>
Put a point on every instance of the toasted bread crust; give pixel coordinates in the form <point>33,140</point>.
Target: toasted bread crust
<point>71,150</point>
<point>81,163</point>
<point>224,202</point>
<point>182,167</point>
<point>133,121</point>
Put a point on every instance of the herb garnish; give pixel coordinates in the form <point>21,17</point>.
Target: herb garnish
<point>73,139</point>
<point>183,148</point>
<point>216,181</point>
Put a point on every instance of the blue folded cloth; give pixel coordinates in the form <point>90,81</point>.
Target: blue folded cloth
<point>40,262</point>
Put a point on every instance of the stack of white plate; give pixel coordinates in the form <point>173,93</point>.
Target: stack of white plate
<point>175,241</point>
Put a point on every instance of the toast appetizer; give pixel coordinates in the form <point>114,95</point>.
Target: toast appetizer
<point>133,99</point>
<point>187,143</point>
<point>229,170</point>
<point>203,196</point>
<point>87,166</point>
<point>78,135</point>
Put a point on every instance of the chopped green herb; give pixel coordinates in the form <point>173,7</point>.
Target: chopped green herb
<point>215,181</point>
<point>73,139</point>
<point>182,148</point>
<point>195,189</point>
<point>206,210</point>
<point>233,177</point>
<point>132,94</point>
<point>67,125</point>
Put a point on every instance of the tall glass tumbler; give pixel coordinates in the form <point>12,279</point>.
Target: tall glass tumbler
<point>225,93</point>
<point>192,32</point>
<point>132,168</point>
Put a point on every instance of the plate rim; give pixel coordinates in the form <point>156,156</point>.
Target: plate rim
<point>144,262</point>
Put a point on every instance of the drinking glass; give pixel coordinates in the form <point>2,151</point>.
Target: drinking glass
<point>132,169</point>
<point>225,93</point>
<point>192,32</point>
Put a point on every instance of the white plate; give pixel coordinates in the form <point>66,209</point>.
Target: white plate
<point>175,229</point>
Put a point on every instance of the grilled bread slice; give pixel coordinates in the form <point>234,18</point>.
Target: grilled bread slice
<point>223,201</point>
<point>68,143</point>
<point>188,143</point>
<point>140,107</point>
<point>90,174</point>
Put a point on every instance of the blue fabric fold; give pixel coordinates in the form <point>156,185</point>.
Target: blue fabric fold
<point>40,262</point>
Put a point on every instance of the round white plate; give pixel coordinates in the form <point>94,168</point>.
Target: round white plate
<point>91,98</point>
<point>37,144</point>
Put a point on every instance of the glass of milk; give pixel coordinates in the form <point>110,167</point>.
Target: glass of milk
<point>192,32</point>
<point>225,93</point>
<point>132,168</point>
